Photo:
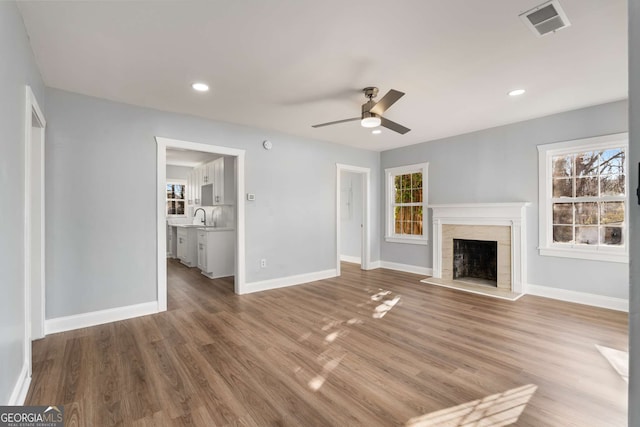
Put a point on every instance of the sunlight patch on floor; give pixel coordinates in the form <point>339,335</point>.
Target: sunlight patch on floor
<point>618,359</point>
<point>501,409</point>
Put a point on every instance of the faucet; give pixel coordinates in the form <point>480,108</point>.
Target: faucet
<point>204,218</point>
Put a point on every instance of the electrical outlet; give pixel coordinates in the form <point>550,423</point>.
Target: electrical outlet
<point>263,263</point>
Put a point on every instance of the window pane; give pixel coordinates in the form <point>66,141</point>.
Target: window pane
<point>398,226</point>
<point>417,195</point>
<point>562,233</point>
<point>587,235</point>
<point>587,163</point>
<point>587,187</point>
<point>563,187</point>
<point>180,207</point>
<point>416,180</point>
<point>397,186</point>
<point>172,208</point>
<point>178,191</point>
<point>611,236</point>
<point>612,213</point>
<point>612,185</point>
<point>407,213</point>
<point>587,213</point>
<point>398,213</point>
<point>612,162</point>
<point>563,166</point>
<point>563,213</point>
<point>170,191</point>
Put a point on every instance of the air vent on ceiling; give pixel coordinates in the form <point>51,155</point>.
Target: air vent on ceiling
<point>545,18</point>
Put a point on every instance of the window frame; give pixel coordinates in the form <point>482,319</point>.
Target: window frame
<point>390,234</point>
<point>598,252</point>
<point>182,182</point>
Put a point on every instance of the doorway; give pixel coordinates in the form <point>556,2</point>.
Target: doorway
<point>162,145</point>
<point>34,231</point>
<point>352,215</point>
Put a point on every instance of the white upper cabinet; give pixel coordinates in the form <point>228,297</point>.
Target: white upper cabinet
<point>220,173</point>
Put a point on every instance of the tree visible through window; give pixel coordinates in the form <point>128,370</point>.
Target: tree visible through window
<point>406,204</point>
<point>175,199</point>
<point>589,197</point>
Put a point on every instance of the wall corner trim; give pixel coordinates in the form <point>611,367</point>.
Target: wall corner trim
<point>282,282</point>
<point>612,303</point>
<point>21,388</point>
<point>84,320</point>
<point>424,271</point>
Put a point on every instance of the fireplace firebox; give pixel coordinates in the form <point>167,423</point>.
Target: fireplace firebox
<point>475,261</point>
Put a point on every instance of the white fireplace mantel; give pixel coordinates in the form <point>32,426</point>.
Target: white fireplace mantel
<point>503,214</point>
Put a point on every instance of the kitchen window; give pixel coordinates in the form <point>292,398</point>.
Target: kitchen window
<point>176,202</point>
<point>583,198</point>
<point>406,204</point>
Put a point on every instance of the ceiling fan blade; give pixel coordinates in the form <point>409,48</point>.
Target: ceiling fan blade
<point>393,126</point>
<point>336,122</point>
<point>387,101</point>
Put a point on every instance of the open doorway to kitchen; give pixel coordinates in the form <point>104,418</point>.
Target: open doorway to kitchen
<point>352,215</point>
<point>200,211</point>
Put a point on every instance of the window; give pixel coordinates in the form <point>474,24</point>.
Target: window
<point>176,198</point>
<point>583,198</point>
<point>406,204</point>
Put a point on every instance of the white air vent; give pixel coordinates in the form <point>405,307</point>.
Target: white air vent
<point>545,18</point>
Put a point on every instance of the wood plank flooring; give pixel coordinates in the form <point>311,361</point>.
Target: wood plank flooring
<point>371,348</point>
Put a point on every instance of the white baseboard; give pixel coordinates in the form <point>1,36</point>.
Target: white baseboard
<point>612,303</point>
<point>20,390</point>
<point>282,282</point>
<point>425,271</point>
<point>373,265</point>
<point>77,321</point>
<point>351,259</point>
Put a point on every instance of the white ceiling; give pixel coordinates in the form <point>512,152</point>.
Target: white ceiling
<point>288,64</point>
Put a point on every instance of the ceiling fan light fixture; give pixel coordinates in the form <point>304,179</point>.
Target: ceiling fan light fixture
<point>370,122</point>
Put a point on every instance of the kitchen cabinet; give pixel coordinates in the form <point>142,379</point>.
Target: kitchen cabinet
<point>216,252</point>
<point>224,181</point>
<point>187,245</point>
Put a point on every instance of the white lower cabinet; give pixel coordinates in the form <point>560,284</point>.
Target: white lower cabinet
<point>216,252</point>
<point>186,246</point>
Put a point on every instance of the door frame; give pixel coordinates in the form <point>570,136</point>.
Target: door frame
<point>161,216</point>
<point>365,257</point>
<point>34,224</point>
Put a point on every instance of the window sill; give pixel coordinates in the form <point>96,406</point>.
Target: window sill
<point>411,241</point>
<point>594,255</point>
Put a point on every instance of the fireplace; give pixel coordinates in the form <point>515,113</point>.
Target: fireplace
<point>475,261</point>
<point>503,224</point>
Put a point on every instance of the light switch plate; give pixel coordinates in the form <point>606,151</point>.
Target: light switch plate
<point>251,197</point>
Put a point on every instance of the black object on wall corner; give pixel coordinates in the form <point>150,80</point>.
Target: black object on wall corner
<point>638,189</point>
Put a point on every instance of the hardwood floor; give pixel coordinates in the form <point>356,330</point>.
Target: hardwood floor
<point>374,348</point>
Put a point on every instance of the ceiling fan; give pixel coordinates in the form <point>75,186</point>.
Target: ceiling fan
<point>372,111</point>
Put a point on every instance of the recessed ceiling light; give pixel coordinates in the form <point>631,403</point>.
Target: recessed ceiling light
<point>200,87</point>
<point>516,92</point>
<point>376,131</point>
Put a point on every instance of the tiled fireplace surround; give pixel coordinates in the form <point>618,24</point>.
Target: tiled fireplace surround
<point>501,222</point>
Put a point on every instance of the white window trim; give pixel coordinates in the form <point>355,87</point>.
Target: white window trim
<point>179,182</point>
<point>546,246</point>
<point>390,236</point>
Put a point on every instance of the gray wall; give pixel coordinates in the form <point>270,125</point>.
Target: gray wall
<point>101,221</point>
<point>634,214</point>
<point>17,69</point>
<point>178,172</point>
<point>501,165</point>
<point>351,194</point>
